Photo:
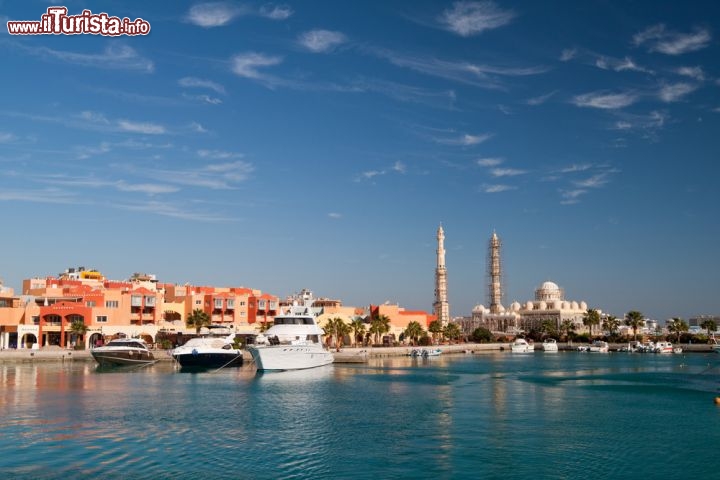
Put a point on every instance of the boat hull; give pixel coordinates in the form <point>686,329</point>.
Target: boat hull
<point>122,358</point>
<point>289,357</point>
<point>209,359</point>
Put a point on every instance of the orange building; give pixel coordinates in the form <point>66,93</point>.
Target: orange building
<point>45,313</point>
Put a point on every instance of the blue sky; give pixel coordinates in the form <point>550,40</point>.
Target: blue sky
<point>320,144</point>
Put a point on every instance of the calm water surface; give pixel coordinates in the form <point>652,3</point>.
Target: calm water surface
<point>562,415</point>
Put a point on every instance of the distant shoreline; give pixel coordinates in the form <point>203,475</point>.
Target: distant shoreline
<point>346,354</point>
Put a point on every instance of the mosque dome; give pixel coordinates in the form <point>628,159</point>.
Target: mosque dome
<point>542,305</point>
<point>478,308</point>
<point>501,309</point>
<point>529,305</point>
<point>548,291</point>
<point>574,305</point>
<point>515,306</point>
<point>583,306</point>
<point>549,286</point>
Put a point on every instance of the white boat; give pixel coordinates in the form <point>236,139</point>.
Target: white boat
<point>123,352</point>
<point>520,345</point>
<point>663,347</point>
<point>598,346</point>
<point>715,344</point>
<point>424,352</point>
<point>550,345</point>
<point>293,342</point>
<point>209,351</point>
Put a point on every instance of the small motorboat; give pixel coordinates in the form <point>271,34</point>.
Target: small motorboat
<point>520,345</point>
<point>550,345</point>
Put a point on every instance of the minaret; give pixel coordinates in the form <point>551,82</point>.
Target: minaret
<point>495,274</point>
<point>441,306</point>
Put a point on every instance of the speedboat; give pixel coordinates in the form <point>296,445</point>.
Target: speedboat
<point>663,347</point>
<point>293,342</point>
<point>599,346</point>
<point>520,345</point>
<point>550,345</point>
<point>211,351</point>
<point>123,352</point>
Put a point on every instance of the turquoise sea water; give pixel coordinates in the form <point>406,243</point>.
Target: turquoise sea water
<point>502,415</point>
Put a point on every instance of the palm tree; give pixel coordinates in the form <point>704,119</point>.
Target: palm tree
<point>677,325</point>
<point>336,328</point>
<point>379,325</point>
<point>611,324</point>
<point>452,331</point>
<point>708,325</point>
<point>634,320</point>
<point>78,328</point>
<point>592,317</point>
<point>198,319</point>
<point>568,327</point>
<point>358,329</point>
<point>414,331</point>
<point>435,328</point>
<point>548,327</point>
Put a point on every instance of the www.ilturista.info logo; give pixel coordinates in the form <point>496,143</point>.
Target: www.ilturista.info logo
<point>57,22</point>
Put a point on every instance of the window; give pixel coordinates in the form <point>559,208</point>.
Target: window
<point>111,304</point>
<point>149,301</point>
<point>231,303</point>
<point>101,319</point>
<point>218,303</point>
<point>3,303</point>
<point>242,303</point>
<point>242,314</point>
<point>198,302</point>
<point>90,303</point>
<point>136,301</point>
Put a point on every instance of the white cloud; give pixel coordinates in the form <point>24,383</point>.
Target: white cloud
<point>496,188</point>
<point>539,100</point>
<point>604,100</point>
<point>247,64</point>
<point>692,72</point>
<point>595,181</point>
<point>193,82</point>
<point>489,162</point>
<point>369,175</point>
<point>471,18</point>
<point>617,65</point>
<point>218,154</point>
<point>275,12</point>
<point>321,41</point>
<point>480,75</point>
<point>658,39</point>
<point>115,57</point>
<point>214,14</point>
<point>568,54</point>
<point>196,127</point>
<point>148,188</point>
<point>570,197</point>
<point>399,167</point>
<point>576,168</point>
<point>203,98</point>
<point>171,210</point>
<point>6,137</point>
<point>465,140</point>
<point>674,92</point>
<point>141,127</point>
<point>506,172</point>
<point>335,215</point>
<point>47,195</point>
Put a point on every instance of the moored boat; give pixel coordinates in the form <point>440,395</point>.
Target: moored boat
<point>123,352</point>
<point>599,346</point>
<point>550,345</point>
<point>209,351</point>
<point>663,347</point>
<point>520,345</point>
<point>293,342</point>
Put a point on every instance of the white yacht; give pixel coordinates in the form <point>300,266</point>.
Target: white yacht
<point>550,345</point>
<point>294,341</point>
<point>123,352</point>
<point>213,350</point>
<point>520,345</point>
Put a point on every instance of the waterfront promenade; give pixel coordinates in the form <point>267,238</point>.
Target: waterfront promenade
<point>346,354</point>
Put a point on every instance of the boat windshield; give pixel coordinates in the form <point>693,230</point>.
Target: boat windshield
<point>293,321</point>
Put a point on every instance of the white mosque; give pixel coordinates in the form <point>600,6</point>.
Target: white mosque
<point>549,304</point>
